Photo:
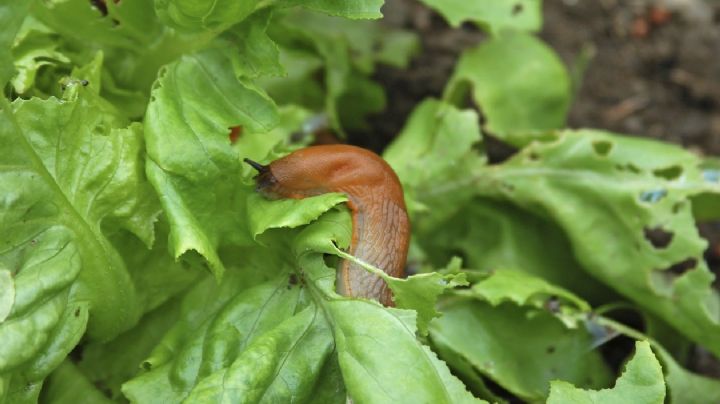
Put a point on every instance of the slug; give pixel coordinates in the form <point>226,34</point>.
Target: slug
<point>380,224</point>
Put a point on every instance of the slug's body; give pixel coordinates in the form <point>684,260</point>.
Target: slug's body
<point>381,229</point>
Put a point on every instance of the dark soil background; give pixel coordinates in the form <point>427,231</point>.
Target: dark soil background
<point>652,68</point>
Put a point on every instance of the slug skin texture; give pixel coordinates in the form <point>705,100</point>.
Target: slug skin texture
<point>381,228</point>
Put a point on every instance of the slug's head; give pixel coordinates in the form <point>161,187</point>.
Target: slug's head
<point>265,181</point>
<point>306,172</point>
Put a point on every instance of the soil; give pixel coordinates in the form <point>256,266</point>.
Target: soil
<point>652,70</point>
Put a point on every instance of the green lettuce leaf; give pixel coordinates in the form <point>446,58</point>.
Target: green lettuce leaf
<point>494,16</point>
<point>612,196</point>
<point>36,46</point>
<point>417,292</point>
<point>203,15</point>
<point>435,148</point>
<point>641,383</point>
<point>517,287</point>
<point>110,364</point>
<point>682,385</point>
<point>71,173</point>
<point>261,54</point>
<point>222,332</point>
<point>354,9</point>
<point>329,60</point>
<point>283,364</point>
<point>534,301</point>
<point>520,350</point>
<point>191,162</point>
<point>384,362</point>
<point>68,385</point>
<point>494,236</point>
<point>12,15</point>
<point>214,17</point>
<point>613,200</point>
<point>134,42</point>
<point>518,82</point>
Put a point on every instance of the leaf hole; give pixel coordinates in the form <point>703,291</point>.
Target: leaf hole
<point>658,237</point>
<point>602,147</point>
<point>293,280</point>
<point>628,167</point>
<point>682,267</point>
<point>653,196</point>
<point>678,269</point>
<point>711,175</point>
<point>100,6</point>
<point>669,173</point>
<point>494,388</point>
<point>497,150</point>
<point>677,207</point>
<point>553,304</point>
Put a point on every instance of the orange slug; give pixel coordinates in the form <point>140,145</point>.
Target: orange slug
<point>381,228</point>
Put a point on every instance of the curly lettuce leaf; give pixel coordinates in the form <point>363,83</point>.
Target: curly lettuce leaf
<point>191,162</point>
<point>12,15</point>
<point>72,174</point>
<point>128,24</point>
<point>214,16</point>
<point>35,47</point>
<point>329,59</point>
<point>134,42</point>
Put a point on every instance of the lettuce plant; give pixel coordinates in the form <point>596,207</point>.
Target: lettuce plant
<point>137,263</point>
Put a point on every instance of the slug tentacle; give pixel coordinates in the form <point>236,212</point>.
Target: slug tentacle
<point>254,164</point>
<point>381,228</point>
